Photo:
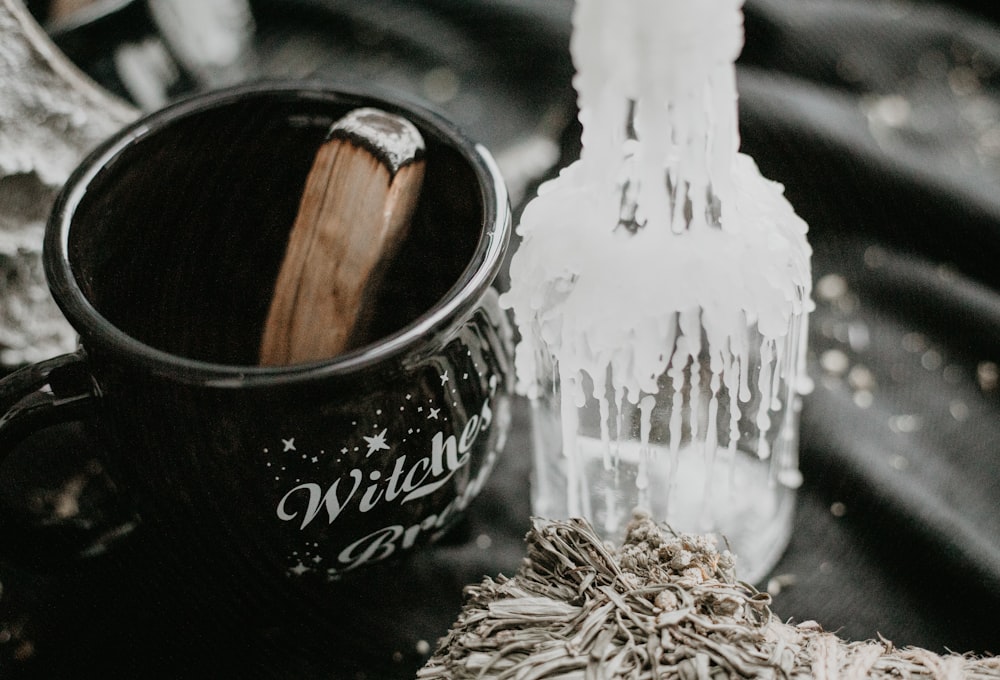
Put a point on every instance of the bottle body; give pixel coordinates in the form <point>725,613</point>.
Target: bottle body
<point>714,449</point>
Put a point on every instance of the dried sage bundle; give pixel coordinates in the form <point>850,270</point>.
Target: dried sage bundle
<point>663,605</point>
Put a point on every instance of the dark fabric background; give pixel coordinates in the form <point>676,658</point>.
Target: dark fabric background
<point>882,119</point>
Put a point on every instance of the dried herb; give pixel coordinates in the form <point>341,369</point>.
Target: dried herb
<point>663,605</point>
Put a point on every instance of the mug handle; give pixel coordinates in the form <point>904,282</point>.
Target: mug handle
<point>60,390</point>
<point>57,390</point>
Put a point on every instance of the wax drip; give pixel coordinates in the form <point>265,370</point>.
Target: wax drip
<point>661,260</point>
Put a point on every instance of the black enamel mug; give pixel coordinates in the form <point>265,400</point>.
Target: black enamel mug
<point>162,252</point>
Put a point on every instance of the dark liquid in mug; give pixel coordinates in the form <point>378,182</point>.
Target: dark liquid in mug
<point>179,240</point>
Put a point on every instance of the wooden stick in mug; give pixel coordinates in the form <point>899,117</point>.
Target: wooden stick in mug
<point>356,207</point>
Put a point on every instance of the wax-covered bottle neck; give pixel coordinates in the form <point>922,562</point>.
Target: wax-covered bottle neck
<point>671,154</point>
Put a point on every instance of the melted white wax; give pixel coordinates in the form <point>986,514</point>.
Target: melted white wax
<point>658,103</point>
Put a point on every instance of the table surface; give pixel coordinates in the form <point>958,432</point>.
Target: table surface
<point>880,119</point>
